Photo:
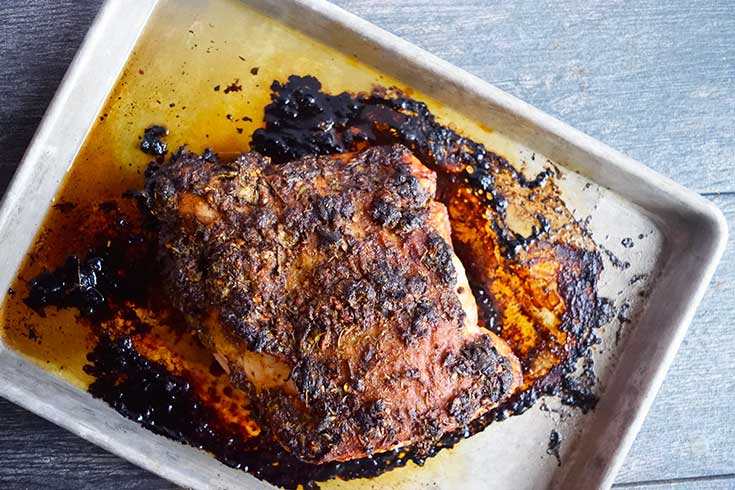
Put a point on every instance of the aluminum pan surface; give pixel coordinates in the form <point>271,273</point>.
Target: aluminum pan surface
<point>690,236</point>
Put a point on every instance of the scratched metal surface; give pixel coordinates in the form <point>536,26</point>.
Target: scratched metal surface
<point>654,79</point>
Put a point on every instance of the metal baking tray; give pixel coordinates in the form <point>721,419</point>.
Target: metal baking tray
<point>684,239</point>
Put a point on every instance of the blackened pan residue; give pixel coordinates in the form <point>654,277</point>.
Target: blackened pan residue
<point>554,445</point>
<point>233,87</point>
<point>152,142</point>
<point>87,282</point>
<point>81,283</point>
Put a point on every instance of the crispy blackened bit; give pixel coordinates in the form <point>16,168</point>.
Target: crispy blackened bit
<point>152,142</point>
<point>79,283</point>
<point>328,288</point>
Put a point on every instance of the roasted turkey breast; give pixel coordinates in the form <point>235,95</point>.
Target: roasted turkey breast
<point>328,288</point>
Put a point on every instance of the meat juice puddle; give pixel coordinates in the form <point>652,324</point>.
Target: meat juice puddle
<point>209,91</point>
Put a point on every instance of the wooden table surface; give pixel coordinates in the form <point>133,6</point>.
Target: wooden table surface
<point>653,79</point>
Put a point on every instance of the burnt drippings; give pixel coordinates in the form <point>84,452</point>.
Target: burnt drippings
<point>554,445</point>
<point>64,207</point>
<point>303,120</point>
<point>578,391</point>
<point>615,261</point>
<point>168,404</point>
<point>235,86</point>
<point>87,283</point>
<point>80,283</point>
<point>152,142</point>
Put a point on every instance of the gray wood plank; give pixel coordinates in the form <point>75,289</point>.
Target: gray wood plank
<point>38,454</point>
<point>38,39</point>
<point>718,483</point>
<point>653,79</point>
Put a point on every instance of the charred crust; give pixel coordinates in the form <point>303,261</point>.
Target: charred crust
<point>417,285</point>
<point>438,258</point>
<point>477,357</point>
<point>407,374</point>
<point>407,186</point>
<point>424,318</point>
<point>312,379</point>
<point>463,407</point>
<point>385,213</point>
<point>372,417</point>
<point>390,280</point>
<point>402,207</point>
<point>331,208</point>
<point>328,237</point>
<point>367,357</point>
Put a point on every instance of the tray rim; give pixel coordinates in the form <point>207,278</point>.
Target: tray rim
<point>693,210</point>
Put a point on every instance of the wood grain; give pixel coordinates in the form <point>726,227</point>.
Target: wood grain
<point>654,79</point>
<point>37,454</point>
<point>38,39</point>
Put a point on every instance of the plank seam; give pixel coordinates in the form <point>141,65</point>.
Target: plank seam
<point>717,194</point>
<point>690,479</point>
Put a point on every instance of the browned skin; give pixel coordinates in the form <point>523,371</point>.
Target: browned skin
<point>329,289</point>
